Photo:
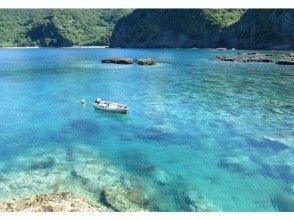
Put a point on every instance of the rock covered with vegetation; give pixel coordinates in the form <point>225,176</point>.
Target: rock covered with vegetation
<point>206,28</point>
<point>185,28</point>
<point>57,27</point>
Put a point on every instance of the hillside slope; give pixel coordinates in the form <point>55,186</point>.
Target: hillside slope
<point>244,29</point>
<point>57,27</point>
<point>262,29</point>
<point>172,28</point>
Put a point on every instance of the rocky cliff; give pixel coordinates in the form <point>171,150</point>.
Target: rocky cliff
<point>262,29</point>
<point>243,29</point>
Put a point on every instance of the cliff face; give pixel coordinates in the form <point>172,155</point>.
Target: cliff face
<point>260,29</point>
<point>165,28</point>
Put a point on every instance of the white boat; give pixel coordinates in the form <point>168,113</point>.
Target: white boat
<point>110,106</point>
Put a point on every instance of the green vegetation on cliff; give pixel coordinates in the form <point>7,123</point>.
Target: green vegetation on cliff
<point>173,27</point>
<point>223,17</point>
<point>57,27</point>
<point>238,28</point>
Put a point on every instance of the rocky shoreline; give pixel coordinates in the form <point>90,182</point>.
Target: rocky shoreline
<point>281,59</point>
<point>52,202</point>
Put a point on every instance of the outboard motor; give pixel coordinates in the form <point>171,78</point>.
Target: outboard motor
<point>98,100</point>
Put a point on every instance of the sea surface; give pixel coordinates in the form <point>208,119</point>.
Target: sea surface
<point>200,134</point>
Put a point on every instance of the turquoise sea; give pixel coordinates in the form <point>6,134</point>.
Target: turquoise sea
<point>200,135</point>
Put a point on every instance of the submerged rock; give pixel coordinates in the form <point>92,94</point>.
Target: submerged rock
<point>118,198</point>
<point>278,170</point>
<point>104,201</point>
<point>284,202</point>
<point>199,203</point>
<point>81,179</point>
<point>118,60</point>
<point>239,164</point>
<point>43,164</point>
<point>177,196</point>
<point>154,134</point>
<point>77,169</point>
<point>135,162</point>
<point>265,144</point>
<point>83,127</point>
<point>59,202</point>
<point>161,177</point>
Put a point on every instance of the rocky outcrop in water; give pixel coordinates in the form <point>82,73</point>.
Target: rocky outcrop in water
<point>125,60</point>
<point>146,61</point>
<point>281,59</point>
<point>245,59</point>
<point>118,60</point>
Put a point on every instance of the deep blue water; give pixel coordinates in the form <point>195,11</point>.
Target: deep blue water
<point>223,130</point>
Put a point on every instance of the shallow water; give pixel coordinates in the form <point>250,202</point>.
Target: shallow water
<point>200,134</point>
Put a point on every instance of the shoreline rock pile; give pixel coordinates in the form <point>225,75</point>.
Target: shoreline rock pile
<point>51,202</point>
<point>282,59</point>
<point>244,59</point>
<point>126,60</point>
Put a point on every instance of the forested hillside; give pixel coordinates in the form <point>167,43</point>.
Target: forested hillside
<point>203,28</point>
<point>57,27</point>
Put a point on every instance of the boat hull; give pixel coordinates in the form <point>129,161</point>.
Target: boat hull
<point>111,109</point>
